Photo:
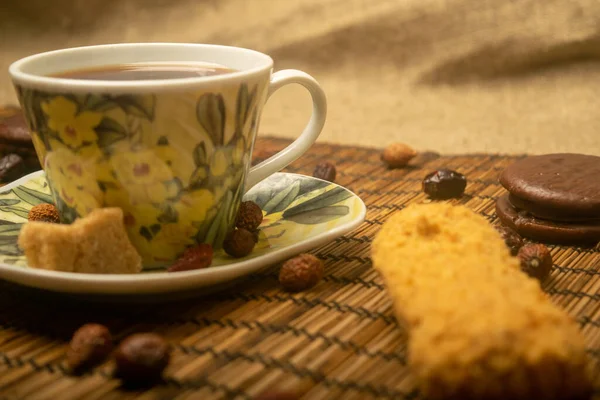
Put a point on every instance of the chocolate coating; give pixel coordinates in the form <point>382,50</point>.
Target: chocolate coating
<point>546,231</point>
<point>561,186</point>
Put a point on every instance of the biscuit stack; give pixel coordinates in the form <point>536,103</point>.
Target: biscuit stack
<point>553,198</point>
<point>17,154</point>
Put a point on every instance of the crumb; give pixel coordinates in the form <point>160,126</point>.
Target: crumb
<point>96,244</point>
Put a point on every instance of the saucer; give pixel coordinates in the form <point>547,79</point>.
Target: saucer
<point>300,213</point>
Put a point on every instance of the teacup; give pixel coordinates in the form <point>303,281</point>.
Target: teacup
<point>174,154</point>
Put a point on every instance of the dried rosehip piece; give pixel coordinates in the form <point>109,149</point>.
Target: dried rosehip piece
<point>301,273</point>
<point>249,216</point>
<point>142,357</point>
<point>91,343</point>
<point>44,212</point>
<point>239,243</point>
<point>398,155</point>
<point>536,260</point>
<point>512,239</point>
<point>325,171</point>
<point>197,257</point>
<point>444,184</point>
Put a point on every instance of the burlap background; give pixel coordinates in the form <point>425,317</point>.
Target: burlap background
<point>452,75</point>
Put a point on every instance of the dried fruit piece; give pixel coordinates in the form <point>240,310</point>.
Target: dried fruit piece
<point>142,357</point>
<point>444,184</point>
<point>536,260</point>
<point>325,171</point>
<point>91,343</point>
<point>398,155</point>
<point>301,272</point>
<point>44,212</point>
<point>239,243</point>
<point>512,239</point>
<point>197,257</point>
<point>249,216</point>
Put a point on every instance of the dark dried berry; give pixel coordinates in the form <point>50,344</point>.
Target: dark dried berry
<point>249,216</point>
<point>142,357</point>
<point>512,239</point>
<point>90,344</point>
<point>301,273</point>
<point>536,260</point>
<point>444,184</point>
<point>325,171</point>
<point>239,243</point>
<point>197,257</point>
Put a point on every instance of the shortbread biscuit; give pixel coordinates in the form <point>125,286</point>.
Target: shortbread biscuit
<point>479,328</point>
<point>96,244</point>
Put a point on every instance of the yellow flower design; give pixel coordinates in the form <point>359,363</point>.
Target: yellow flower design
<point>72,127</point>
<point>40,148</point>
<point>239,152</point>
<point>138,194</point>
<point>219,163</point>
<point>78,170</point>
<point>193,206</point>
<point>140,167</point>
<point>181,163</point>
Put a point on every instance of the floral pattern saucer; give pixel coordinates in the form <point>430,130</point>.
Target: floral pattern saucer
<point>300,213</point>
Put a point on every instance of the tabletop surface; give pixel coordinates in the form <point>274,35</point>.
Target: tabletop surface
<point>339,339</point>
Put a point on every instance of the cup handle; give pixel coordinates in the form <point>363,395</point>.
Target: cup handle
<point>312,130</point>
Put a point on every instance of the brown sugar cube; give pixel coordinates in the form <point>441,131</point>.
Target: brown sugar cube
<point>97,243</point>
<point>479,327</point>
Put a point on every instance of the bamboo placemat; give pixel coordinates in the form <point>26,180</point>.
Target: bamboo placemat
<point>338,340</point>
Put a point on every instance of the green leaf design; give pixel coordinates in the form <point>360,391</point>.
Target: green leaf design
<point>155,229</point>
<point>199,177</point>
<point>8,239</point>
<point>10,250</point>
<point>323,200</point>
<point>20,211</point>
<point>244,103</point>
<point>109,132</point>
<point>99,103</point>
<point>320,215</point>
<point>138,105</point>
<point>311,185</point>
<point>145,232</point>
<point>10,229</point>
<point>210,112</point>
<point>31,196</point>
<point>103,185</point>
<point>168,215</point>
<point>9,202</point>
<point>200,157</point>
<point>282,199</point>
<point>218,229</point>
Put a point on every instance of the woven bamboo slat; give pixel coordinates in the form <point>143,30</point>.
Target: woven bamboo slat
<point>337,340</point>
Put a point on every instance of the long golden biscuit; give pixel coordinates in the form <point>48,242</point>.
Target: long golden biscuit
<point>479,328</point>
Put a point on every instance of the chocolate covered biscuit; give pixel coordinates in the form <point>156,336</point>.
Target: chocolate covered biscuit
<point>562,186</point>
<point>544,230</point>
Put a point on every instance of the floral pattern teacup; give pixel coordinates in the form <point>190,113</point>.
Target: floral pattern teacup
<point>174,155</point>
